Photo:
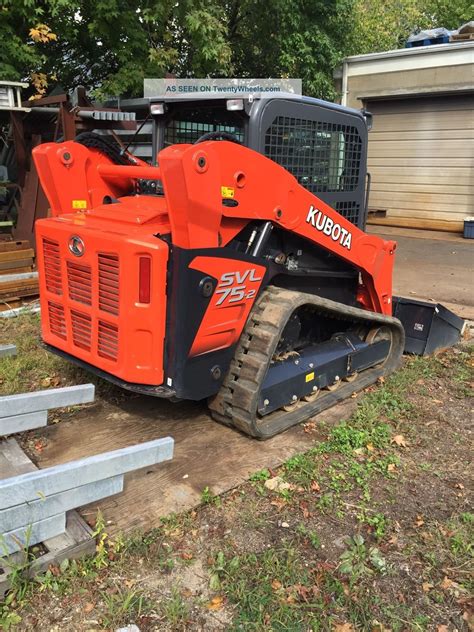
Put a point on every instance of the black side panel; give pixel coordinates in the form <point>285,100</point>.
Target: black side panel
<point>200,376</point>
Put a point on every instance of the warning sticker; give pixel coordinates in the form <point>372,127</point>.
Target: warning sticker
<point>79,204</point>
<point>227,192</point>
<point>309,377</point>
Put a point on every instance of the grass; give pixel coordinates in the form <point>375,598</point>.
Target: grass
<point>34,367</point>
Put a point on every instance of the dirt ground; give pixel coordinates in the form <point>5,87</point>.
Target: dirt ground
<point>369,526</point>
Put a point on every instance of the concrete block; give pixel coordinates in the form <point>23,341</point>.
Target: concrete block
<point>20,423</point>
<point>29,513</point>
<point>33,485</point>
<point>16,540</point>
<point>43,400</point>
<point>7,350</point>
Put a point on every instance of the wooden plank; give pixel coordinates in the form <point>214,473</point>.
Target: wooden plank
<point>17,271</point>
<point>21,423</point>
<point>40,509</point>
<point>411,222</point>
<point>6,246</point>
<point>27,487</point>
<point>15,255</point>
<point>390,201</point>
<point>14,265</point>
<point>17,294</point>
<point>11,285</point>
<point>18,539</point>
<point>43,400</point>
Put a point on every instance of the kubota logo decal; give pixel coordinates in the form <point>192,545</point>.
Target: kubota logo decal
<point>329,227</point>
<point>76,246</point>
<point>233,286</point>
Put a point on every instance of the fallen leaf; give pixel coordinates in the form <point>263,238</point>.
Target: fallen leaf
<point>279,503</point>
<point>449,584</point>
<point>89,607</point>
<point>459,486</point>
<point>276,585</point>
<point>379,627</point>
<point>343,627</point>
<point>186,556</point>
<point>215,603</point>
<point>370,447</point>
<point>442,628</point>
<point>446,532</point>
<point>315,486</point>
<point>391,467</point>
<point>427,586</point>
<point>400,441</point>
<point>419,522</point>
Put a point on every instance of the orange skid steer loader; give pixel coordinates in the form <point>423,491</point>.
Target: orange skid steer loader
<point>235,267</point>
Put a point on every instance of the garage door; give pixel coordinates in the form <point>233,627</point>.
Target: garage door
<point>421,159</point>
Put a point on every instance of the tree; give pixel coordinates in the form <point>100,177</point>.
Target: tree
<point>380,26</point>
<point>110,46</point>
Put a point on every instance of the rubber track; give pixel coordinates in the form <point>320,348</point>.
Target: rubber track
<point>236,403</point>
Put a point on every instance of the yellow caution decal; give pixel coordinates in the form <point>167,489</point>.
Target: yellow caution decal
<point>77,204</point>
<point>227,192</point>
<point>309,377</point>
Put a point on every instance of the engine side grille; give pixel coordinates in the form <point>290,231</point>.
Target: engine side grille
<point>109,292</point>
<point>81,330</point>
<point>57,320</point>
<point>52,267</point>
<point>107,344</point>
<point>79,280</point>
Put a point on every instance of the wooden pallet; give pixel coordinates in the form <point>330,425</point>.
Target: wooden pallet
<point>75,542</point>
<point>461,37</point>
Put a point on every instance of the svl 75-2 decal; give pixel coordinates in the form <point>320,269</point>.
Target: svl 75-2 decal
<point>233,286</point>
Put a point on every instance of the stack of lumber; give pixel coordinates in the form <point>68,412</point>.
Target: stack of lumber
<point>18,280</point>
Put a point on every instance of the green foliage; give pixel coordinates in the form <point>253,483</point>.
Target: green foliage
<point>208,498</point>
<point>123,606</point>
<point>380,26</point>
<point>357,560</point>
<point>111,45</point>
